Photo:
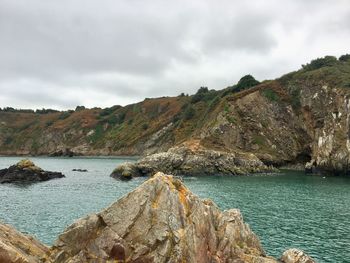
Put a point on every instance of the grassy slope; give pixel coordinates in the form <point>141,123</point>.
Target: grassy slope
<point>123,129</point>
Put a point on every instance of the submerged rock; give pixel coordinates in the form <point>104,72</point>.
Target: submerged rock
<point>160,221</point>
<point>79,170</point>
<point>26,171</point>
<point>294,255</point>
<point>183,160</point>
<point>20,248</point>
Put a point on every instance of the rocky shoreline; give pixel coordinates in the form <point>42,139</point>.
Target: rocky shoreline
<point>192,160</point>
<point>160,221</point>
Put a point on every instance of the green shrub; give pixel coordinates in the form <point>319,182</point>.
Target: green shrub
<point>213,103</point>
<point>245,82</point>
<point>64,115</point>
<point>231,119</point>
<point>226,108</point>
<point>98,134</point>
<point>46,111</point>
<point>295,94</point>
<point>108,111</point>
<point>145,126</point>
<point>345,57</point>
<point>200,94</point>
<point>8,140</point>
<point>79,108</point>
<point>49,123</point>
<point>189,113</point>
<point>271,95</point>
<point>320,63</point>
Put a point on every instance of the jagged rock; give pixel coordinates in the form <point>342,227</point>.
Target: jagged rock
<point>184,160</point>
<point>294,255</point>
<point>160,221</point>
<point>20,248</point>
<point>26,171</point>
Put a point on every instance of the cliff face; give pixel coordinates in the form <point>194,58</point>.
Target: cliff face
<point>160,221</point>
<point>301,117</point>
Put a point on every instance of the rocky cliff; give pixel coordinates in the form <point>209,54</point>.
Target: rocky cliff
<point>160,221</point>
<point>302,117</point>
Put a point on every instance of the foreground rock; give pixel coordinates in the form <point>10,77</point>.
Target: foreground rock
<point>194,161</point>
<point>26,171</point>
<point>20,248</point>
<point>160,221</point>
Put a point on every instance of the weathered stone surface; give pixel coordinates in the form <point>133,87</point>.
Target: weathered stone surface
<point>19,248</point>
<point>294,255</point>
<point>26,171</point>
<point>160,221</point>
<point>194,161</point>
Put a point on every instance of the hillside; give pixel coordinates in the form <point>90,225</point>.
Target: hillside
<point>301,116</point>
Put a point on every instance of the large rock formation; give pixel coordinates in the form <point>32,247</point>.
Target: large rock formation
<point>192,159</point>
<point>160,221</point>
<point>26,171</point>
<point>19,248</point>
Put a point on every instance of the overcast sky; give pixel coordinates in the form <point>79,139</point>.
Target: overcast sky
<point>63,53</point>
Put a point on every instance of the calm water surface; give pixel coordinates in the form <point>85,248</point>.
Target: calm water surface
<point>285,210</point>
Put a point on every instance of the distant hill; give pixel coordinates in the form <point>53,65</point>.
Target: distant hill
<point>300,116</point>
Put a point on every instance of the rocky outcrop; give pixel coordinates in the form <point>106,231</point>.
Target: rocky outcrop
<point>19,248</point>
<point>160,221</point>
<point>296,256</point>
<point>126,171</point>
<point>26,171</point>
<point>192,159</point>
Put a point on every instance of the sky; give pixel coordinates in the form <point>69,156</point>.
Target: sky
<point>60,54</point>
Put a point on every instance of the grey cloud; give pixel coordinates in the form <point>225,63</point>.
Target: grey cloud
<point>100,53</point>
<point>248,33</point>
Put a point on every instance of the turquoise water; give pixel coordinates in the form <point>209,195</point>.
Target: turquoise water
<point>285,210</point>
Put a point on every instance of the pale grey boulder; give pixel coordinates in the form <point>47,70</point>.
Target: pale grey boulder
<point>193,161</point>
<point>294,255</point>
